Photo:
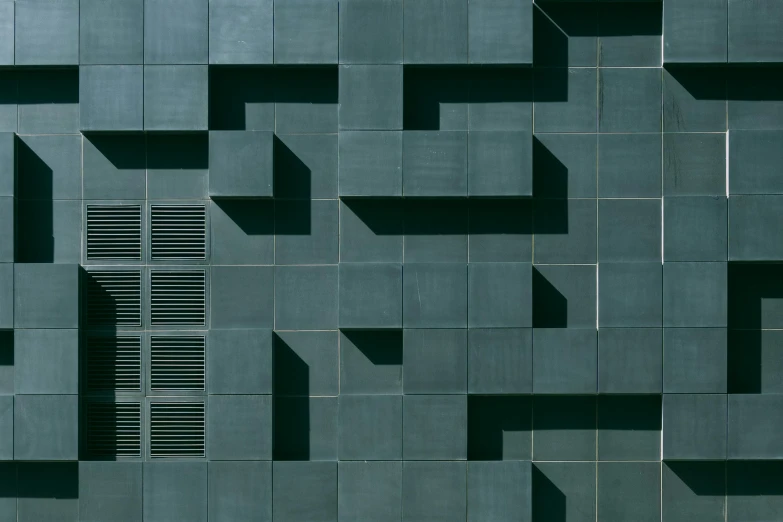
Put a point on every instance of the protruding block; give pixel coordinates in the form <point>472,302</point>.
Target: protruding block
<point>499,491</point>
<point>500,163</point>
<point>46,296</point>
<point>46,361</point>
<point>176,32</point>
<point>500,31</point>
<point>694,426</point>
<point>754,31</point>
<point>694,31</point>
<point>371,31</point>
<point>47,32</point>
<point>175,97</point>
<point>240,31</point>
<point>370,163</point>
<point>435,163</point>
<point>240,164</point>
<point>111,32</point>
<point>111,97</point>
<point>436,31</point>
<point>46,427</point>
<point>306,31</point>
<point>370,295</point>
<point>755,422</point>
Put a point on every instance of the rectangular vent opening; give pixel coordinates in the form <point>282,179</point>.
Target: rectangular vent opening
<point>114,232</point>
<point>178,297</point>
<point>178,231</point>
<point>114,429</point>
<point>114,298</point>
<point>177,429</point>
<point>177,363</point>
<point>114,364</point>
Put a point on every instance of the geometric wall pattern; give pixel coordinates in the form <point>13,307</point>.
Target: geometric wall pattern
<point>386,260</point>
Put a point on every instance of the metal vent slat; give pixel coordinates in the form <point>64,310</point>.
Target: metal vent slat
<point>177,363</point>
<point>114,364</point>
<point>177,429</point>
<point>114,232</point>
<point>114,429</point>
<point>114,298</point>
<point>178,297</point>
<point>178,231</point>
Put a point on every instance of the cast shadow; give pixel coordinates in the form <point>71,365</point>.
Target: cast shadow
<point>6,347</point>
<point>549,503</point>
<point>491,421</point>
<point>434,94</point>
<point>291,403</point>
<point>243,98</point>
<point>255,217</point>
<point>49,86</point>
<point>178,151</point>
<point>732,82</point>
<point>550,307</point>
<point>629,412</point>
<point>34,207</point>
<point>292,182</point>
<point>125,151</point>
<point>704,478</point>
<point>381,347</point>
<point>47,480</point>
<point>564,412</point>
<point>749,286</point>
<point>747,478</point>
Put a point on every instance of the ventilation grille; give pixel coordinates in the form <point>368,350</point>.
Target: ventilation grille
<point>114,364</point>
<point>114,429</point>
<point>178,231</point>
<point>114,298</point>
<point>178,297</point>
<point>114,232</point>
<point>177,363</point>
<point>176,429</point>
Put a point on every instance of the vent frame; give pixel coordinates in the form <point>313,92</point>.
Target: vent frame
<point>173,402</point>
<point>150,309</point>
<point>143,232</point>
<point>88,281</point>
<point>150,386</point>
<point>87,452</point>
<point>151,258</point>
<point>92,392</point>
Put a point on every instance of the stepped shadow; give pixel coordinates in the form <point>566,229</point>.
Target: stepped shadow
<point>381,347</point>
<point>291,404</point>
<point>35,207</point>
<point>7,362</point>
<point>440,97</point>
<point>292,181</point>
<point>499,427</point>
<point>40,490</point>
<point>47,86</point>
<point>255,217</point>
<point>549,503</point>
<point>629,412</point>
<point>732,82</point>
<point>755,302</point>
<point>244,98</point>
<point>735,478</point>
<point>178,151</point>
<point>125,151</point>
<point>550,307</point>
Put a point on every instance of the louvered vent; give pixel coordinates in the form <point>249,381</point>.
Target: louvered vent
<point>176,429</point>
<point>178,297</point>
<point>114,298</point>
<point>177,363</point>
<point>178,231</point>
<point>114,364</point>
<point>114,429</point>
<point>113,232</point>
